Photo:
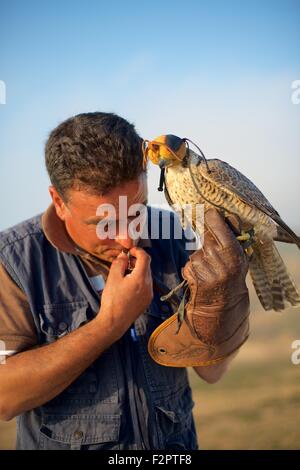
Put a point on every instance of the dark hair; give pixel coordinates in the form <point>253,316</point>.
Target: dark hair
<point>93,151</point>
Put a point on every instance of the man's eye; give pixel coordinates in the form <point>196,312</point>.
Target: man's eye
<point>111,223</point>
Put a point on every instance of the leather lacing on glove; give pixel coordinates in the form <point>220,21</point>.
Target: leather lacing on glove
<point>181,307</point>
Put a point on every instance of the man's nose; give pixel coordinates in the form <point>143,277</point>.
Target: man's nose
<point>124,239</point>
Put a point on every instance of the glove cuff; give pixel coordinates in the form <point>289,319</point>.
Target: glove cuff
<point>185,349</point>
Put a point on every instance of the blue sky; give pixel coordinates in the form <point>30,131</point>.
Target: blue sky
<point>217,72</point>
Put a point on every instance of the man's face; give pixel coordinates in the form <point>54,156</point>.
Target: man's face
<point>79,216</point>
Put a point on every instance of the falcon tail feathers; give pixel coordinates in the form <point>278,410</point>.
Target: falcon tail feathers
<point>273,284</point>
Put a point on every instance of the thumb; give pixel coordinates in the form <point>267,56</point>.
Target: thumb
<point>118,266</point>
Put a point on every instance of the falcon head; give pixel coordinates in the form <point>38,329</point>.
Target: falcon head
<point>165,150</point>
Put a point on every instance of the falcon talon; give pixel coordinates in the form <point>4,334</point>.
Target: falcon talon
<point>245,236</point>
<point>249,252</point>
<point>247,240</point>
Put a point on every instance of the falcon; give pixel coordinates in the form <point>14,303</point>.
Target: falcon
<point>188,178</point>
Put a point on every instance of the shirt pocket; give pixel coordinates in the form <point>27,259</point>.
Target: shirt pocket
<point>75,432</point>
<point>98,383</point>
<point>56,320</point>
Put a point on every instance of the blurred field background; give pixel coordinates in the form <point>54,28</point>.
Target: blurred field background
<point>257,404</point>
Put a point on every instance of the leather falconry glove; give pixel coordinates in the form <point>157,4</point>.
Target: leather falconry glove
<point>214,322</point>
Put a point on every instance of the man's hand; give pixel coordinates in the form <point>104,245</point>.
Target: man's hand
<point>219,268</point>
<point>220,259</point>
<point>215,322</point>
<point>216,276</point>
<point>125,297</point>
<point>226,266</point>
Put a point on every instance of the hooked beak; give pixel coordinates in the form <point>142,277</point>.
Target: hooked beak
<point>163,163</point>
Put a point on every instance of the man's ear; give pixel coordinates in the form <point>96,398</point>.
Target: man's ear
<point>59,204</point>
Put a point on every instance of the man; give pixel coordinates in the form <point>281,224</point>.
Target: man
<point>79,322</point>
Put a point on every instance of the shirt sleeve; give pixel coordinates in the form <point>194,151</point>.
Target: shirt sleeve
<point>17,329</point>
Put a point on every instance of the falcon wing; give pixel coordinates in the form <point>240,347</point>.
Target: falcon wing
<point>231,181</point>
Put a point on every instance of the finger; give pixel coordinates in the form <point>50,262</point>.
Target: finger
<point>204,273</point>
<point>118,266</point>
<point>218,229</point>
<point>142,262</point>
<point>132,261</point>
<point>234,223</point>
<point>209,239</point>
